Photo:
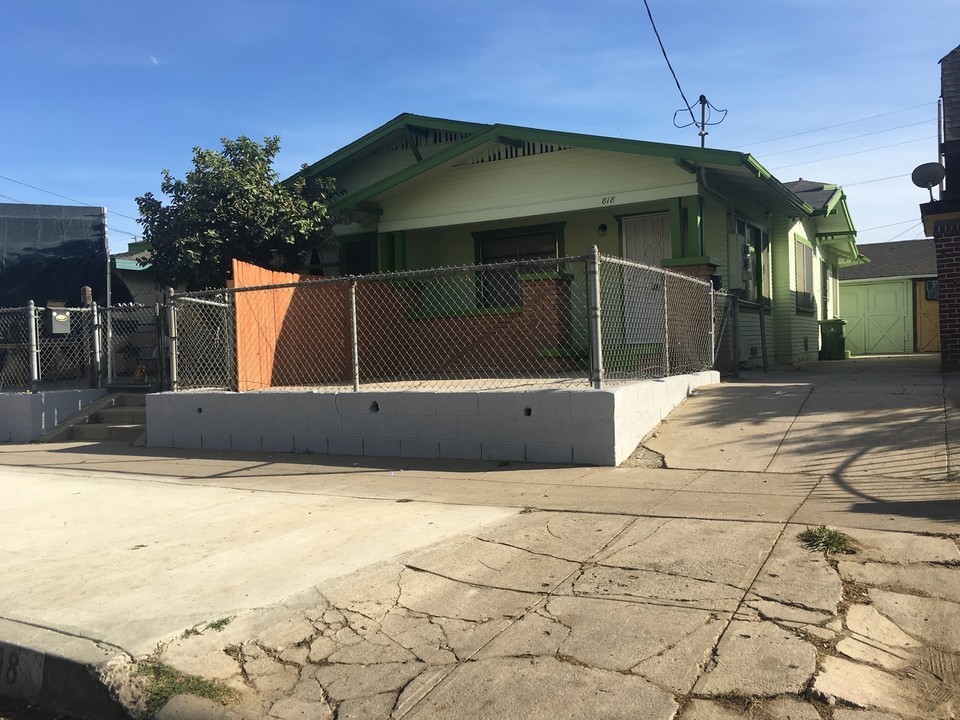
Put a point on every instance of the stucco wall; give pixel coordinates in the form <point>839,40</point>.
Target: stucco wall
<point>594,427</point>
<point>24,417</point>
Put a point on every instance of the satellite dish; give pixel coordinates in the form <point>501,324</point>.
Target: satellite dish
<point>928,175</point>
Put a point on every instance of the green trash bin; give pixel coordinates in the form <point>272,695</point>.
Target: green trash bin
<point>833,345</point>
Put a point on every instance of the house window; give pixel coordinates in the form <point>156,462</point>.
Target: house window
<point>824,289</point>
<point>357,257</point>
<point>805,296</point>
<point>757,271</point>
<point>501,288</point>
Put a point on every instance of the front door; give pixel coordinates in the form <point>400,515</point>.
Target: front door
<point>646,240</point>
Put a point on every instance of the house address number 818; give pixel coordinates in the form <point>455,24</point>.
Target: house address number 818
<point>608,199</point>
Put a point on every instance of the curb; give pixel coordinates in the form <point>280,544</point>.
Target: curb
<point>60,672</point>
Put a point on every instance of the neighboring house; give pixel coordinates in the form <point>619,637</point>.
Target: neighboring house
<point>423,192</point>
<point>48,253</point>
<point>135,280</point>
<point>891,303</point>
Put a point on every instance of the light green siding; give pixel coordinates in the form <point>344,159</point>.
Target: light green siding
<point>564,181</point>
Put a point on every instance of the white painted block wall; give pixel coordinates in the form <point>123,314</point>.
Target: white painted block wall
<point>24,417</point>
<point>593,427</point>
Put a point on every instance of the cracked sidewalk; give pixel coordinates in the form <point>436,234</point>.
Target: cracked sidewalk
<point>361,589</point>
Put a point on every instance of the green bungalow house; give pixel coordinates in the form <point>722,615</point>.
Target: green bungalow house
<point>423,192</point>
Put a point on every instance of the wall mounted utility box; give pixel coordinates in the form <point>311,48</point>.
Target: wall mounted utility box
<point>57,321</point>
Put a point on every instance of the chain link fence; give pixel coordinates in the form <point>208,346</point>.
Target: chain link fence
<point>569,322</point>
<point>521,324</point>
<point>14,348</point>
<point>67,348</point>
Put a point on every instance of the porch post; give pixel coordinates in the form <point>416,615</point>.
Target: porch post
<point>594,317</point>
<point>33,348</point>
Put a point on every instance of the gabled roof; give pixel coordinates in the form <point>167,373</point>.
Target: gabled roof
<point>903,258</point>
<point>822,197</point>
<point>474,135</point>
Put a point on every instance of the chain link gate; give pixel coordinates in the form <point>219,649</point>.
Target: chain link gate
<point>133,346</point>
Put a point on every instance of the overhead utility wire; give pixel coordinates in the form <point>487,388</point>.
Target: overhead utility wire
<point>881,227</point>
<point>830,127</point>
<point>852,137</point>
<point>858,152</point>
<point>664,51</point>
<point>64,197</point>
<point>867,182</point>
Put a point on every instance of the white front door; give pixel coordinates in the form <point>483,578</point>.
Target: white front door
<point>646,238</point>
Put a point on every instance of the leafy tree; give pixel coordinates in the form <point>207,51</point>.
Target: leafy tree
<point>233,205</point>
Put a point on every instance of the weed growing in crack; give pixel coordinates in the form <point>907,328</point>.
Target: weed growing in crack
<point>220,624</point>
<point>826,539</point>
<point>526,510</point>
<point>163,683</point>
<point>190,632</point>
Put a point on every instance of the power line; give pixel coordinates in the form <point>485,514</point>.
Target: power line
<point>664,51</point>
<point>110,228</point>
<point>64,197</point>
<point>867,182</point>
<point>830,127</point>
<point>858,152</point>
<point>909,229</point>
<point>852,137</point>
<point>881,227</point>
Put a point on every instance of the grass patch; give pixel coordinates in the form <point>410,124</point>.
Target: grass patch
<point>220,624</point>
<point>163,683</point>
<point>825,539</point>
<point>190,632</point>
<point>526,510</point>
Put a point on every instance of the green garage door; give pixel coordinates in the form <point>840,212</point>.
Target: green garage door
<point>878,317</point>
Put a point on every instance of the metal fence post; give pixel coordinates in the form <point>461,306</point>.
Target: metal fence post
<point>33,347</point>
<point>666,329</point>
<point>96,346</point>
<point>594,318</point>
<point>713,329</point>
<point>172,328</point>
<point>354,344</point>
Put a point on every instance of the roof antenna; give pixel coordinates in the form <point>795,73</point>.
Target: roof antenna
<point>705,105</point>
<point>705,118</point>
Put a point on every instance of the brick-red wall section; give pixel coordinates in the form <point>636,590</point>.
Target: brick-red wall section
<point>946,236</point>
<point>301,336</point>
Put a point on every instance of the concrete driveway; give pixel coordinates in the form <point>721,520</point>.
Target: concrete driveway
<point>418,589</point>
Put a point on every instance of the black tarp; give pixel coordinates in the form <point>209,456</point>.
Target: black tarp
<point>49,252</point>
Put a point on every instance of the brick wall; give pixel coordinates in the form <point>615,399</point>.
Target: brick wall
<point>946,236</point>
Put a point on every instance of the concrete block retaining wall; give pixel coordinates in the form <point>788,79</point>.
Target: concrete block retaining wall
<point>24,417</point>
<point>594,427</point>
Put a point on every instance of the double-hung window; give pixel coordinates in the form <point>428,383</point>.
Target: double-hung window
<point>805,283</point>
<point>758,278</point>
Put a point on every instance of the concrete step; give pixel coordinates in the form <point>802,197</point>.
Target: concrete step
<point>121,415</point>
<point>131,400</point>
<point>101,433</point>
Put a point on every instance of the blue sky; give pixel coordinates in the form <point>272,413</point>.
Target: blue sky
<point>100,96</point>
